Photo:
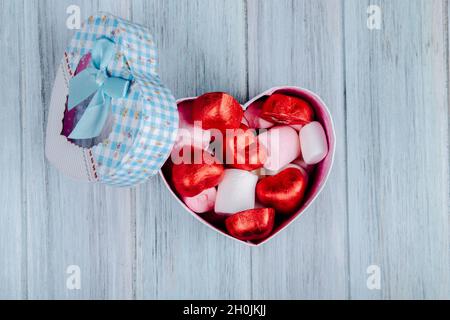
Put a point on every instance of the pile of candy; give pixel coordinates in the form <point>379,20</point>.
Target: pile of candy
<point>245,170</point>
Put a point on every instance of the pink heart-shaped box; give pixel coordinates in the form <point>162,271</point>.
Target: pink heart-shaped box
<point>318,179</point>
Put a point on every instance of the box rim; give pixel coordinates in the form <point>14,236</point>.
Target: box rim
<point>298,213</point>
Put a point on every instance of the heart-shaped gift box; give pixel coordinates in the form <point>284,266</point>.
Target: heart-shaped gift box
<point>318,177</point>
<point>112,121</point>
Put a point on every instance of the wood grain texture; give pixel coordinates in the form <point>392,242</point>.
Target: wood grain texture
<point>300,43</point>
<point>68,223</point>
<point>12,230</point>
<point>177,257</point>
<point>397,141</point>
<point>387,201</point>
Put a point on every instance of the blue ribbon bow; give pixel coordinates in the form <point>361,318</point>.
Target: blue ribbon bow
<point>95,81</point>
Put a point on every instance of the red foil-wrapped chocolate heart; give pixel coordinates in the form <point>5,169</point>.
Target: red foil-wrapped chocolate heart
<point>242,150</point>
<point>284,109</point>
<point>284,192</point>
<point>218,110</point>
<point>191,178</point>
<point>251,225</point>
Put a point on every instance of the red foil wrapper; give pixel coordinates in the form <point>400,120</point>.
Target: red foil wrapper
<point>191,179</point>
<point>284,192</point>
<point>218,110</point>
<point>243,151</point>
<point>289,110</point>
<point>251,225</point>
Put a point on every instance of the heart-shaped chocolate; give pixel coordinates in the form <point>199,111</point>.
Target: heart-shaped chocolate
<point>242,149</point>
<point>286,109</point>
<point>192,175</point>
<point>284,192</point>
<point>217,110</point>
<point>233,226</point>
<point>251,225</point>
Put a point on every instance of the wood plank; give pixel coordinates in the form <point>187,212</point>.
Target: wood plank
<point>398,160</point>
<point>202,48</point>
<point>13,250</point>
<point>300,43</point>
<point>69,223</point>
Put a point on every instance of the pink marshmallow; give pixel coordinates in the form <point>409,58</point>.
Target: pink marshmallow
<point>297,127</point>
<point>188,134</point>
<point>202,203</point>
<point>185,112</point>
<point>259,205</point>
<point>313,141</point>
<point>262,173</point>
<point>301,163</point>
<point>252,115</point>
<point>282,145</point>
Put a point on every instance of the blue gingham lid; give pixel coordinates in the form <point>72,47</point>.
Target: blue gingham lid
<point>145,122</point>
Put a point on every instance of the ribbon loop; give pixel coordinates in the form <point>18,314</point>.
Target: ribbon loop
<point>102,53</point>
<point>95,82</point>
<point>116,88</point>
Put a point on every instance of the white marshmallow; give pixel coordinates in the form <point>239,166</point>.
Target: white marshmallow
<point>282,145</point>
<point>313,141</point>
<point>236,192</point>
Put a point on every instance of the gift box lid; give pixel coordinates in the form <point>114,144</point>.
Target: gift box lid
<point>142,126</point>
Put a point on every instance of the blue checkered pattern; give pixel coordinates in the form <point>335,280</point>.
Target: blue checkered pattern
<point>146,121</point>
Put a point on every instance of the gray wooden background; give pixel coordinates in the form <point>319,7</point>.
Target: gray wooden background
<point>386,203</point>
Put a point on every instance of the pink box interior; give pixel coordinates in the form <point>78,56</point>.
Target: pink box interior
<point>318,177</point>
